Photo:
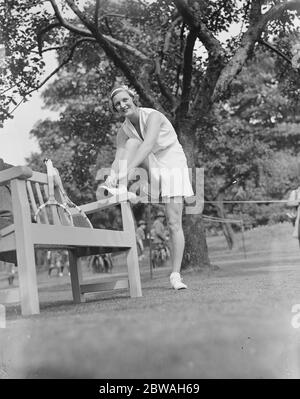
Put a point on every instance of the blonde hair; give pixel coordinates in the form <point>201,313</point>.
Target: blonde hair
<point>117,90</point>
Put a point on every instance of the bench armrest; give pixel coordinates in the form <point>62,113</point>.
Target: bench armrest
<point>99,205</point>
<point>16,172</point>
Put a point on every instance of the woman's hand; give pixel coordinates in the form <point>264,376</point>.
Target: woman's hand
<point>111,180</point>
<point>122,176</point>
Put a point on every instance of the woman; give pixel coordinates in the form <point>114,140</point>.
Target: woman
<point>148,139</point>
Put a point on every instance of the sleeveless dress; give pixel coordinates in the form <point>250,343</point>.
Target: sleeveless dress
<point>169,174</point>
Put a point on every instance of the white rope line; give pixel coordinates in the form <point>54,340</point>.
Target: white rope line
<point>222,220</point>
<point>214,219</point>
<point>246,202</point>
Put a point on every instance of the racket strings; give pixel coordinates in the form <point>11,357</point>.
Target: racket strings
<point>67,202</point>
<point>65,205</point>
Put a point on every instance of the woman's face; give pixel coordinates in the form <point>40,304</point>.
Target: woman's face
<point>123,103</point>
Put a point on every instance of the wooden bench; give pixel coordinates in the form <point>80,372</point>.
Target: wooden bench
<point>19,240</point>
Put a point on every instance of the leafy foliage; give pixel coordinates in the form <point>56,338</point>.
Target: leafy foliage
<point>250,148</point>
<point>172,54</point>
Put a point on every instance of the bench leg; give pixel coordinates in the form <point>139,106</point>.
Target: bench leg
<point>76,277</point>
<point>132,255</point>
<point>28,281</point>
<point>134,277</point>
<point>25,249</point>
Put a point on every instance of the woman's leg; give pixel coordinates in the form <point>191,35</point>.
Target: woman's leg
<point>174,215</point>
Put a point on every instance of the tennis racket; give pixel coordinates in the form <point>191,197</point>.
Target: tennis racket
<point>52,202</point>
<point>72,213</point>
<point>79,218</point>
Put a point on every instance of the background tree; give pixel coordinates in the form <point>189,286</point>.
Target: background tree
<point>247,135</point>
<point>154,48</point>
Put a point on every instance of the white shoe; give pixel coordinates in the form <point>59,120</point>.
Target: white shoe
<point>121,193</point>
<point>176,281</point>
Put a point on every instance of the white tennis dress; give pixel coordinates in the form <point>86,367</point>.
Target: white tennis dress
<point>169,174</point>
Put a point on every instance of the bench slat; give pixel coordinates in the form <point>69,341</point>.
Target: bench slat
<point>104,286</point>
<point>41,201</point>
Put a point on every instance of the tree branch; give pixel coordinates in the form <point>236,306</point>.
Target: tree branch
<point>107,44</point>
<point>210,42</point>
<point>53,72</point>
<point>62,64</point>
<point>169,34</point>
<point>67,25</point>
<point>275,50</point>
<point>204,97</point>
<point>187,71</point>
<point>117,60</point>
<point>112,15</point>
<point>47,49</point>
<point>278,9</point>
<point>255,11</point>
<point>41,33</point>
<point>13,110</point>
<point>251,36</point>
<point>163,88</point>
<point>9,88</point>
<point>96,14</point>
<point>126,47</point>
<point>108,27</point>
<point>81,16</point>
<point>144,75</point>
<point>178,69</point>
<point>216,57</point>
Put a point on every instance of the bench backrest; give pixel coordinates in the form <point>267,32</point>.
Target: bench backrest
<point>37,192</point>
<point>32,191</point>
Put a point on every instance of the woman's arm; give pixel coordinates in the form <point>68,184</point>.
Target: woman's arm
<point>111,180</point>
<point>152,130</point>
<point>121,141</point>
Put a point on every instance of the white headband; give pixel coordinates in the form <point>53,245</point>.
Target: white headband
<point>122,88</point>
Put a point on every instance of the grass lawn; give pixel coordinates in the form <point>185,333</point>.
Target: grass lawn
<point>234,322</point>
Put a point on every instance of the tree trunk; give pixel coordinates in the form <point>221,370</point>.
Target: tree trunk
<point>196,251</point>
